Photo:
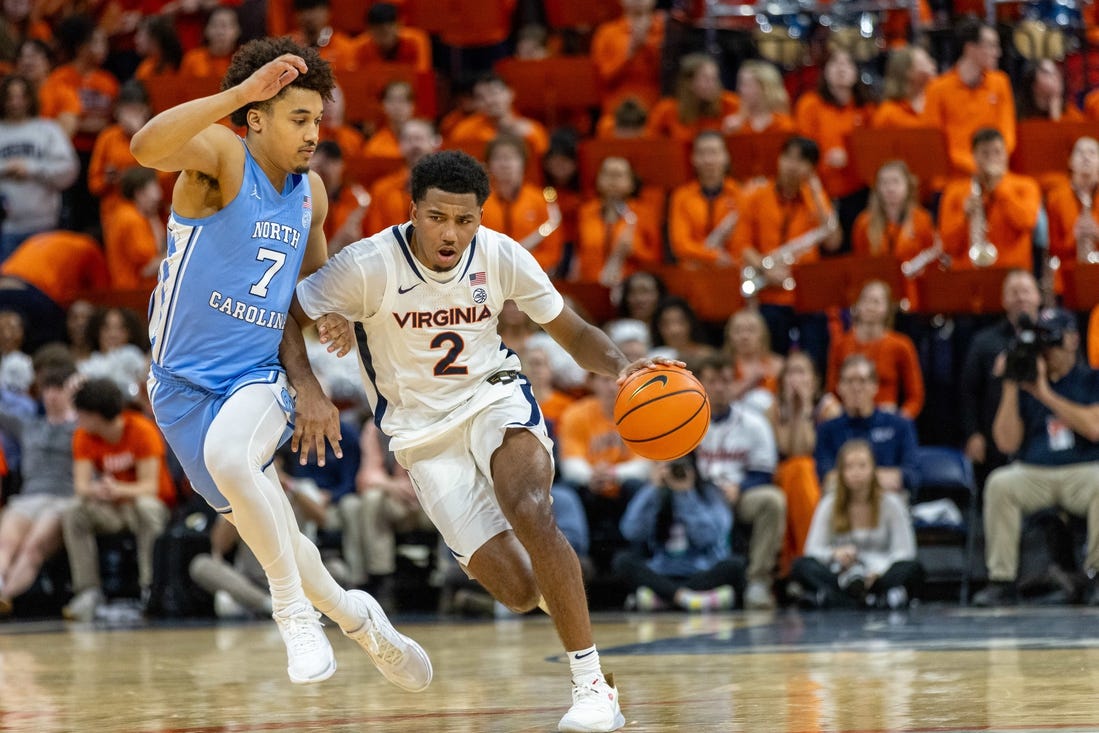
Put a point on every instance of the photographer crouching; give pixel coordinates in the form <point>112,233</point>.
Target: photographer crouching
<point>1048,419</point>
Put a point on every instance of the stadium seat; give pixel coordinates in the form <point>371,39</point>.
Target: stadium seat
<point>549,89</point>
<point>946,549</point>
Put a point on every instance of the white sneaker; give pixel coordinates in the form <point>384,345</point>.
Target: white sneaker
<point>309,656</point>
<point>594,708</point>
<point>400,660</point>
<point>758,597</point>
<point>84,605</point>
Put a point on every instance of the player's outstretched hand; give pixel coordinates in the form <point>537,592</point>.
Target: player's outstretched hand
<point>269,79</point>
<point>316,420</point>
<point>647,363</point>
<point>337,332</point>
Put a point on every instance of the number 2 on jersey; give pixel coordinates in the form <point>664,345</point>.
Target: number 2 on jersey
<point>277,260</point>
<point>445,366</point>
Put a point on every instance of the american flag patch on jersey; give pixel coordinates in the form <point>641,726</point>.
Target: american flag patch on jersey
<point>307,203</point>
<point>477,278</point>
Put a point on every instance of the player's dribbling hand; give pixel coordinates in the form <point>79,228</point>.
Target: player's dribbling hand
<point>337,332</point>
<point>316,420</point>
<point>269,79</point>
<point>648,363</point>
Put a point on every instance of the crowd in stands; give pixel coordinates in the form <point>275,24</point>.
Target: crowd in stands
<point>692,208</point>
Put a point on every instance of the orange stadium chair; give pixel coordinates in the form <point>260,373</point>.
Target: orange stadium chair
<point>835,282</point>
<point>463,22</point>
<point>365,169</point>
<point>974,291</point>
<point>658,162</point>
<point>546,88</point>
<point>714,293</point>
<point>595,299</point>
<point>168,90</point>
<point>1043,147</point>
<point>1081,286</point>
<point>349,16</point>
<point>923,148</point>
<point>579,13</point>
<point>363,87</point>
<point>755,155</point>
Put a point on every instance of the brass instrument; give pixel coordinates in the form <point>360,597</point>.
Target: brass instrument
<point>1085,248</point>
<point>753,279</point>
<point>982,253</point>
<point>915,266</point>
<point>553,211</point>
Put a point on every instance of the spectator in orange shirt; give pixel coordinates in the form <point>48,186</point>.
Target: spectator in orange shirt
<point>386,40</point>
<point>348,202</point>
<point>37,163</point>
<point>908,71</point>
<point>82,78</point>
<point>398,103</point>
<point>1073,220</point>
<point>561,171</point>
<point>629,120</point>
<point>791,209</point>
<point>900,381</point>
<point>313,18</point>
<point>157,43</point>
<point>840,104</point>
<point>222,39</point>
<point>700,102</point>
<point>627,54</point>
<point>35,61</point>
<point>335,128</point>
<point>111,156</point>
<point>972,95</point>
<point>520,209</point>
<point>463,105</point>
<point>1043,94</point>
<point>617,233</point>
<point>764,101</point>
<point>704,212</point>
<point>755,367</point>
<point>390,196</point>
<point>44,275</point>
<point>121,481</point>
<point>133,236</point>
<point>996,205</point>
<point>495,115</point>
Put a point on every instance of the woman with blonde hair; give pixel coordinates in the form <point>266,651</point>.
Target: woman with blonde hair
<point>764,102</point>
<point>900,381</point>
<point>907,73</point>
<point>755,366</point>
<point>861,549</point>
<point>798,408</point>
<point>700,102</point>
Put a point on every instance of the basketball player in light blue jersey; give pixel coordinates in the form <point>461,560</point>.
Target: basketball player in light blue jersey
<point>426,296</point>
<point>245,225</point>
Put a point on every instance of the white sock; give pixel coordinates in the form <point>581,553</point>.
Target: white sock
<point>584,664</point>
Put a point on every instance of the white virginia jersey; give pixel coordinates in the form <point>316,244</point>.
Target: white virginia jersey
<point>735,444</point>
<point>225,285</point>
<point>428,346</point>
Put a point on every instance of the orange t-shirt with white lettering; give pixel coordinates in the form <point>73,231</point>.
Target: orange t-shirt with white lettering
<point>140,440</point>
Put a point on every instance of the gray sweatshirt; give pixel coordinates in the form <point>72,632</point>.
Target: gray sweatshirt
<point>47,464</point>
<point>33,204</point>
<point>893,540</point>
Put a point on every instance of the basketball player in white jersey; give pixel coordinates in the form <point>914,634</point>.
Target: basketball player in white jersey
<point>425,297</point>
<point>246,223</point>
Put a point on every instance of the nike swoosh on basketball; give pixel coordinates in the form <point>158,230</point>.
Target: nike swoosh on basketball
<point>403,290</point>
<point>662,378</point>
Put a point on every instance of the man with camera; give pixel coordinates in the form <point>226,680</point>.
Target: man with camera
<point>1048,419</point>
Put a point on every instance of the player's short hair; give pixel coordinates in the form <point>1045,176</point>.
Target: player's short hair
<point>99,396</point>
<point>452,171</point>
<point>255,54</point>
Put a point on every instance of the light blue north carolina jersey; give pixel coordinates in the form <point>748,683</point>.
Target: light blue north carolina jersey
<point>225,286</point>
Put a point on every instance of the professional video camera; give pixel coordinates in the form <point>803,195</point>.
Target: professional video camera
<point>1023,351</point>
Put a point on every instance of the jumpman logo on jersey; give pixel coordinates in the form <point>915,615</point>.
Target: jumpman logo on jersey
<point>255,192</point>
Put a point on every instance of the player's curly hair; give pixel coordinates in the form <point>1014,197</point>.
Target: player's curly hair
<point>255,54</point>
<point>452,171</point>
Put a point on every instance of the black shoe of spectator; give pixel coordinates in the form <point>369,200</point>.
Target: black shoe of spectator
<point>1091,591</point>
<point>996,594</point>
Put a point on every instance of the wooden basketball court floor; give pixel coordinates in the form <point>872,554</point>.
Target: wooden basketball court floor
<point>935,668</point>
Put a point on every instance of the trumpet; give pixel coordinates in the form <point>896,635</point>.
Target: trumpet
<point>982,253</point>
<point>1085,246</point>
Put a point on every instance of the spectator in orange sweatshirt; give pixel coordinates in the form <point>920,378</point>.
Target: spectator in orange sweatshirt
<point>1073,219</point>
<point>222,37</point>
<point>83,76</point>
<point>704,212</point>
<point>398,103</point>
<point>314,19</point>
<point>627,54</point>
<point>908,71</point>
<point>495,115</point>
<point>755,366</point>
<point>617,232</point>
<point>971,96</point>
<point>900,381</point>
<point>764,101</point>
<point>157,43</point>
<point>390,196</point>
<point>134,235</point>
<point>111,156</point>
<point>348,202</point>
<point>385,40</point>
<point>334,126</point>
<point>996,205</point>
<point>700,102</point>
<point>791,209</point>
<point>1043,94</point>
<point>840,104</point>
<point>520,209</point>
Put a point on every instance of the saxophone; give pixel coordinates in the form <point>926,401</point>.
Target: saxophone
<point>982,253</point>
<point>915,266</point>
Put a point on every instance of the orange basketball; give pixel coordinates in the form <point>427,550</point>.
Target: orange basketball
<point>662,413</point>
